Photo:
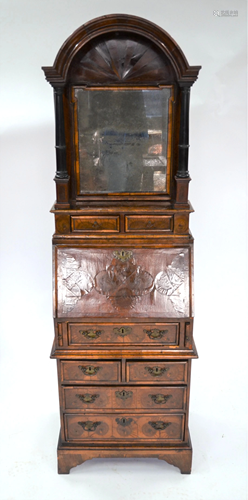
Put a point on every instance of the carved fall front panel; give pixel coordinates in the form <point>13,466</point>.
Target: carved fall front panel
<point>124,283</point>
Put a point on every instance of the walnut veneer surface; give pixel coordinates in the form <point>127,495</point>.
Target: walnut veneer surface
<point>123,261</point>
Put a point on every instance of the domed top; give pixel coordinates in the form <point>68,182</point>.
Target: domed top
<point>120,49</point>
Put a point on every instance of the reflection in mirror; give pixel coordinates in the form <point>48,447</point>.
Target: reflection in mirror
<point>122,140</point>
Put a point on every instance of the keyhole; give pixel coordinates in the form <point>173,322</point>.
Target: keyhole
<point>122,330</point>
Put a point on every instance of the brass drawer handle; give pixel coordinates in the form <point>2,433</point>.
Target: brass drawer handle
<point>160,399</point>
<point>156,371</point>
<point>122,331</point>
<point>124,394</point>
<point>124,421</point>
<point>89,426</point>
<point>159,425</point>
<point>89,370</point>
<point>91,334</point>
<point>87,398</point>
<point>155,333</point>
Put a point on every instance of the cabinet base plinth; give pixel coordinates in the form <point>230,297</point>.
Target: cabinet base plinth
<point>70,456</point>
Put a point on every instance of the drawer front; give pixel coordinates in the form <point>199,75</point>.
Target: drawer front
<point>90,398</point>
<point>90,371</point>
<point>82,333</point>
<point>181,223</point>
<point>157,372</point>
<point>89,223</point>
<point>163,223</point>
<point>152,427</point>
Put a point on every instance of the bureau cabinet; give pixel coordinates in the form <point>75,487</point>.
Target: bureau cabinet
<point>122,249</point>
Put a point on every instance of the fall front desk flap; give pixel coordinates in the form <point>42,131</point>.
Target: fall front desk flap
<point>123,283</point>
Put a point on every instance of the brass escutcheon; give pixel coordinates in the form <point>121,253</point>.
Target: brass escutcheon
<point>124,421</point>
<point>156,371</point>
<point>123,394</point>
<point>96,225</point>
<point>160,398</point>
<point>89,370</point>
<point>89,426</point>
<point>91,334</point>
<point>155,333</point>
<point>150,225</point>
<point>159,425</point>
<point>123,255</point>
<point>122,331</point>
<point>87,398</point>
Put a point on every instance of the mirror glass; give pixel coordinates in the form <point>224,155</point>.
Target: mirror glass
<point>122,138</point>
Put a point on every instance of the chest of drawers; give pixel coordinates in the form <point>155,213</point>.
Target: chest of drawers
<point>122,249</point>
<point>123,344</point>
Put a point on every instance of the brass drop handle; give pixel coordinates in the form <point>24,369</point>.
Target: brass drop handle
<point>124,422</point>
<point>87,398</point>
<point>89,425</point>
<point>122,331</point>
<point>156,371</point>
<point>123,394</point>
<point>89,370</point>
<point>91,334</point>
<point>160,399</point>
<point>159,425</point>
<point>155,333</point>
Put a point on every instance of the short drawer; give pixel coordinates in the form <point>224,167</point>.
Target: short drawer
<point>152,427</point>
<point>157,372</point>
<point>82,333</point>
<point>89,223</point>
<point>90,371</point>
<point>163,223</point>
<point>89,398</point>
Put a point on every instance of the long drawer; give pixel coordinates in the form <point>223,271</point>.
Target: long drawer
<point>147,398</point>
<point>90,372</point>
<point>128,333</point>
<point>152,427</point>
